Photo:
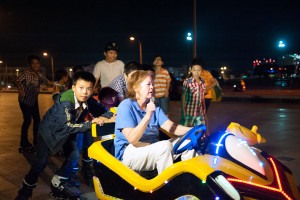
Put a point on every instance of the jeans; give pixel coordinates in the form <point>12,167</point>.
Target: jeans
<point>84,141</point>
<point>42,155</point>
<point>207,103</point>
<point>163,102</point>
<point>28,112</point>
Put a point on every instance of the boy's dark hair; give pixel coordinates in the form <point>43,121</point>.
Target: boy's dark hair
<point>84,75</point>
<point>32,57</point>
<point>107,92</point>
<point>147,67</point>
<point>131,66</point>
<point>77,68</point>
<point>162,58</point>
<point>197,61</point>
<point>60,74</point>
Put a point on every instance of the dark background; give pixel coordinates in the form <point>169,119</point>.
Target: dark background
<point>230,33</point>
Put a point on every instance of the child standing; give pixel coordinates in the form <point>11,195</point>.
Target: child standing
<point>28,84</point>
<point>193,102</point>
<point>58,129</point>
<point>61,84</point>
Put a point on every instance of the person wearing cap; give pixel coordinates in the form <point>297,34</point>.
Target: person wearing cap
<point>107,69</point>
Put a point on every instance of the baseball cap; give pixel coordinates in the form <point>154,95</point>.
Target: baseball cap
<point>111,46</point>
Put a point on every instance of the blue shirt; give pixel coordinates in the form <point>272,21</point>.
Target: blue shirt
<point>129,116</point>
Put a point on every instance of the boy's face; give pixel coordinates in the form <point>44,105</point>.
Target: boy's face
<point>83,90</point>
<point>35,64</point>
<point>111,56</point>
<point>158,61</point>
<point>196,71</point>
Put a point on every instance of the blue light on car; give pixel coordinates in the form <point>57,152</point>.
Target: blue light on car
<point>215,161</point>
<point>219,143</point>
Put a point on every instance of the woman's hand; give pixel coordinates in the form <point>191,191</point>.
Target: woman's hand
<point>150,108</point>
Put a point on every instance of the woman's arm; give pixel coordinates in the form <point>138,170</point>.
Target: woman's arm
<point>175,129</point>
<point>133,135</point>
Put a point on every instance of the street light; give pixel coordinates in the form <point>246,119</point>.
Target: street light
<point>189,36</point>
<point>141,57</point>
<point>52,67</point>
<point>5,77</point>
<point>223,69</point>
<point>281,44</point>
<point>17,71</point>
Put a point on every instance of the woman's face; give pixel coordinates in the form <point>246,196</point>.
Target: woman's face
<point>146,89</point>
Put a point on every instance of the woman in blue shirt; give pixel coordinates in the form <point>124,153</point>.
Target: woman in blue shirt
<point>137,128</point>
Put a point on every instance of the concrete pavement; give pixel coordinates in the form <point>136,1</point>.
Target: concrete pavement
<point>278,122</point>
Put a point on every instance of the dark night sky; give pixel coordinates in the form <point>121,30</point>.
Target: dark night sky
<point>231,33</point>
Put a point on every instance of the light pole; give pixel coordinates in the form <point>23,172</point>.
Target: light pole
<point>195,25</point>
<point>140,44</point>
<point>52,67</point>
<point>5,76</point>
<point>17,71</point>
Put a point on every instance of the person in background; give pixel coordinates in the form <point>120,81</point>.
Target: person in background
<point>28,84</point>
<point>162,82</point>
<point>210,83</point>
<point>108,97</point>
<point>119,83</point>
<point>106,70</point>
<point>193,103</point>
<point>61,84</point>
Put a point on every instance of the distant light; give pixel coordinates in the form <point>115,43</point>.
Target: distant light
<point>189,38</point>
<point>189,34</point>
<point>281,44</point>
<point>17,70</point>
<point>131,38</point>
<point>71,69</point>
<point>166,182</point>
<point>203,181</point>
<point>225,68</point>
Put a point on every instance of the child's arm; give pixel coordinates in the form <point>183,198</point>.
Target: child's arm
<point>183,104</point>
<point>106,120</point>
<point>205,119</point>
<point>18,84</point>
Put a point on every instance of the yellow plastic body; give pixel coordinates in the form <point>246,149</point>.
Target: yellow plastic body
<point>193,166</point>
<point>251,136</point>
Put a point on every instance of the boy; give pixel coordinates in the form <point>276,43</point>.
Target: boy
<point>161,84</point>
<point>28,84</point>
<point>58,129</point>
<point>106,70</point>
<point>193,103</point>
<point>119,83</point>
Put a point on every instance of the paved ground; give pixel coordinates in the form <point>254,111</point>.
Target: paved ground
<point>278,122</point>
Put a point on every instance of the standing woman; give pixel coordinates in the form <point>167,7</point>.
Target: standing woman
<point>137,128</point>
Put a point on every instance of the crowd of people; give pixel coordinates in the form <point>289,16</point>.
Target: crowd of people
<point>141,93</point>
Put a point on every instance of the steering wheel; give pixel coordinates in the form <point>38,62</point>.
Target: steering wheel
<point>194,139</point>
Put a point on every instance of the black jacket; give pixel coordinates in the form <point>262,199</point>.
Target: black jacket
<point>59,121</point>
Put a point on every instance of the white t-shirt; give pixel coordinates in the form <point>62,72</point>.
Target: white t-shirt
<point>106,72</point>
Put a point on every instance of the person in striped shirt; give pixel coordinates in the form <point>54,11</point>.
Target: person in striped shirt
<point>193,102</point>
<point>161,84</point>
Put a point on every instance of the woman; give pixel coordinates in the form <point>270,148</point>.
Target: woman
<point>137,128</point>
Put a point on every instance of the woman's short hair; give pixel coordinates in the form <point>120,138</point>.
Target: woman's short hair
<point>134,82</point>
